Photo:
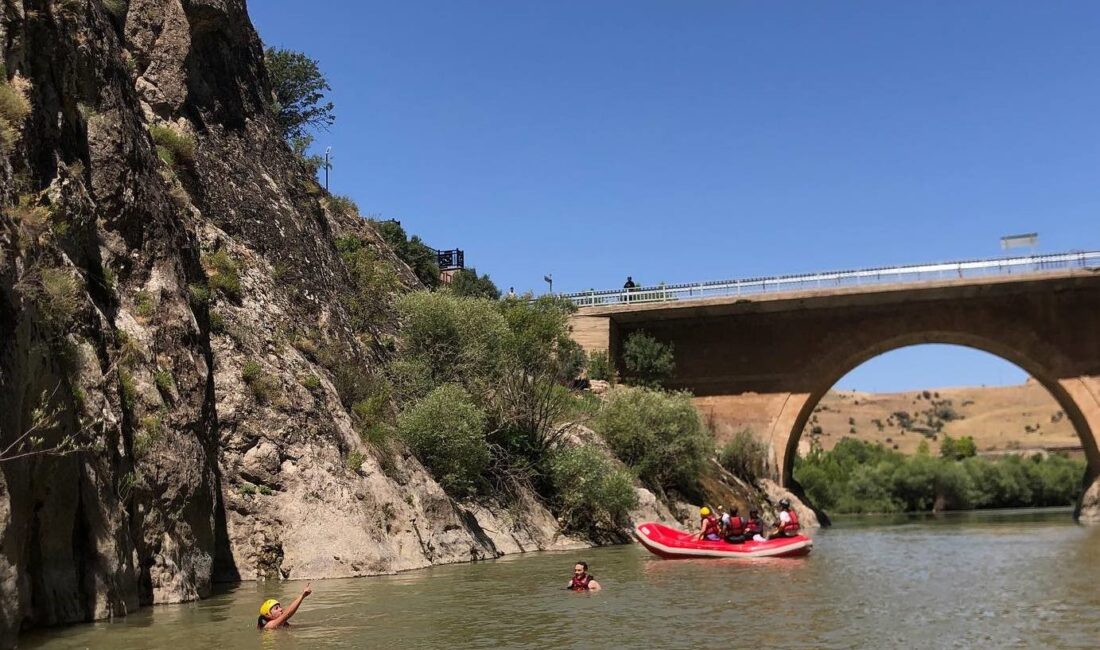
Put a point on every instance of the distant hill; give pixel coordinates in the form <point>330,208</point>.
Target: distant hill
<point>1000,419</point>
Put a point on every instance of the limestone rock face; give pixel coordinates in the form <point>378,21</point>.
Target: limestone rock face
<point>203,438</point>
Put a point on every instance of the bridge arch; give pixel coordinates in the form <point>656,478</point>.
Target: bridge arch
<point>1041,362</point>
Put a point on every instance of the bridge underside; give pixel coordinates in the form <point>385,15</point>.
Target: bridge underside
<point>771,359</point>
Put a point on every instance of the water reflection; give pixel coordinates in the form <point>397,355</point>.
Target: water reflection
<point>972,580</point>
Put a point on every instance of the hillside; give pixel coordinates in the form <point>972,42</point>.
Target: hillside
<point>998,418</point>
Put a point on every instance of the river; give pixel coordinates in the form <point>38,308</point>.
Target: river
<point>994,580</point>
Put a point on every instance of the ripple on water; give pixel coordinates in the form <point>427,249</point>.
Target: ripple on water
<point>949,582</point>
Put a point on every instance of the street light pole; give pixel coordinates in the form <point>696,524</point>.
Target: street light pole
<point>549,278</point>
<point>328,151</point>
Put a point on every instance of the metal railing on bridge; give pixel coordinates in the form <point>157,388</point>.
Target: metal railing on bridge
<point>832,279</point>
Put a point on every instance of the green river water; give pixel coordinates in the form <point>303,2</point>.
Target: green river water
<point>989,580</point>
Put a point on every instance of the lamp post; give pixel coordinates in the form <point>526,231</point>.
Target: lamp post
<point>549,278</point>
<point>328,152</point>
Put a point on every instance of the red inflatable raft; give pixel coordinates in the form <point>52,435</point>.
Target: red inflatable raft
<point>676,544</point>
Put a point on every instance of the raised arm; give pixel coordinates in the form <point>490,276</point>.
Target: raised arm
<point>289,611</point>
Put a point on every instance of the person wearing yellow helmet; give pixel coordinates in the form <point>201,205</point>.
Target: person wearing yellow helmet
<point>272,614</point>
<point>708,527</point>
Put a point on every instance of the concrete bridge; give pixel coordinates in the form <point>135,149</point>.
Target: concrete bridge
<point>773,354</point>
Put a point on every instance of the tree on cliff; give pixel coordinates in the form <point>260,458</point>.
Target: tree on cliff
<point>299,88</point>
<point>647,361</point>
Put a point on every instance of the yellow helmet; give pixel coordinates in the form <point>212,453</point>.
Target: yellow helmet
<point>265,609</point>
<point>704,511</point>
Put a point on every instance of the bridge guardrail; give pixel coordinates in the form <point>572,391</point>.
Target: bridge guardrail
<point>832,279</point>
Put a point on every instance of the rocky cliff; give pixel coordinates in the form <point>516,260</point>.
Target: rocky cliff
<point>171,303</point>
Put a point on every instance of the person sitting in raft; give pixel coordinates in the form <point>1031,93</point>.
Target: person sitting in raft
<point>754,527</point>
<point>582,580</point>
<point>708,525</point>
<point>723,521</point>
<point>735,529</point>
<point>788,521</point>
<point>272,614</point>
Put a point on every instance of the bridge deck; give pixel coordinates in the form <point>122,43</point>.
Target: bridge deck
<point>833,282</point>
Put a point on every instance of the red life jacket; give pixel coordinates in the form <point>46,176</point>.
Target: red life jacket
<point>712,526</point>
<point>754,526</point>
<point>580,584</point>
<point>792,526</point>
<point>736,527</point>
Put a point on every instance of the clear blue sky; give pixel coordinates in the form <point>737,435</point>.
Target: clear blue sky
<point>682,141</point>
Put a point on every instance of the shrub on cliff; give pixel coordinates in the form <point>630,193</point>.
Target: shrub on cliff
<point>589,491</point>
<point>658,435</point>
<point>646,361</point>
<point>744,456</point>
<point>420,257</point>
<point>599,366</point>
<point>14,109</point>
<point>173,147</point>
<point>373,284</point>
<point>446,431</point>
<point>57,296</point>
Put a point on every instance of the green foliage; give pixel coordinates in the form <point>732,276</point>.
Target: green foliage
<point>355,459</point>
<point>953,449</point>
<point>299,88</point>
<point>420,257</point>
<point>217,322</point>
<point>15,106</point>
<point>57,296</point>
<point>466,282</point>
<point>589,492</point>
<point>744,456</point>
<point>342,205</point>
<point>310,381</point>
<point>599,366</point>
<point>224,273</point>
<point>164,380</point>
<point>173,147</point>
<point>373,281</point>
<point>116,8</point>
<point>199,294</point>
<point>658,435</point>
<point>265,388</point>
<point>857,476</point>
<point>127,389</point>
<point>151,431</point>
<point>144,305</point>
<point>647,361</point>
<point>453,340</point>
<point>446,431</point>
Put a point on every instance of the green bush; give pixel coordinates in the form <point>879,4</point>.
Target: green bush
<point>15,106</point>
<point>455,340</point>
<point>355,459</point>
<point>57,297</point>
<point>857,476</point>
<point>164,381</point>
<point>446,431</point>
<point>344,206</point>
<point>224,273</point>
<point>599,366</point>
<point>658,435</point>
<point>173,147</point>
<point>590,493</point>
<point>467,283</point>
<point>647,361</point>
<point>744,456</point>
<point>199,295</point>
<point>420,257</point>
<point>374,282</point>
<point>953,449</point>
<point>265,388</point>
